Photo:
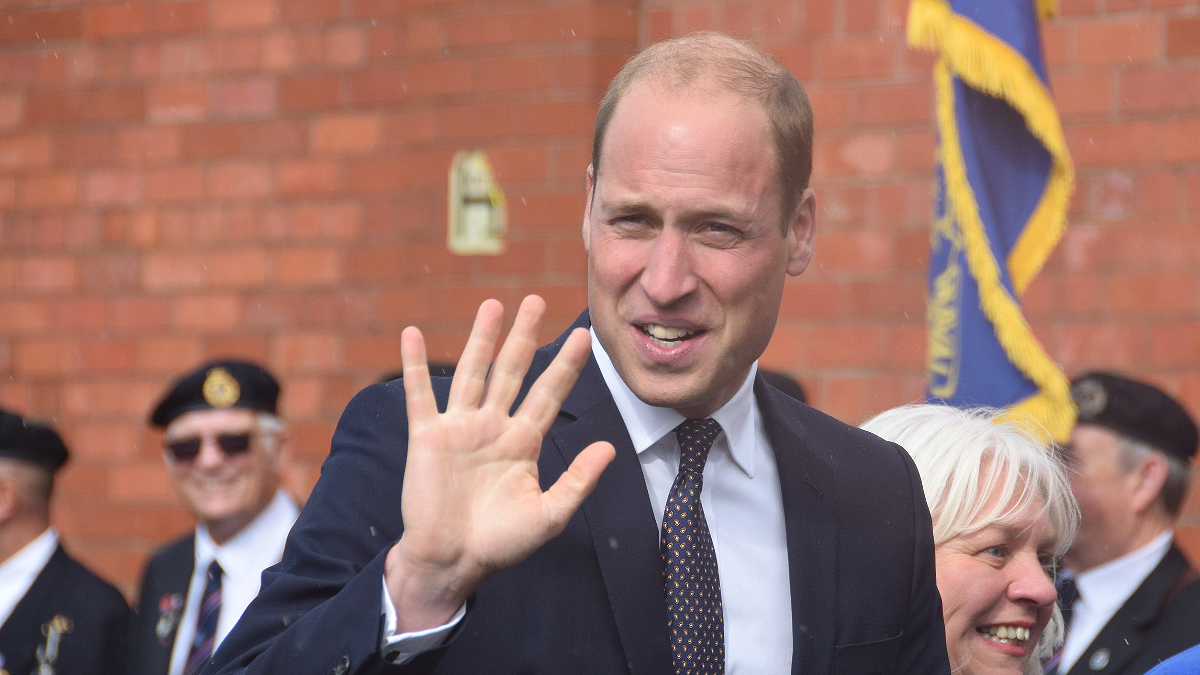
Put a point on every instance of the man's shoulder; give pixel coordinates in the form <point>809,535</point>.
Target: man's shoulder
<point>86,587</point>
<point>174,554</point>
<point>808,422</point>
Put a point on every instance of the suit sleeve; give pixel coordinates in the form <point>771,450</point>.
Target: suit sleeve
<point>319,609</point>
<point>924,651</point>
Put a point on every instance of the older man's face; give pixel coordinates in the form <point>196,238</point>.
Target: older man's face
<point>1107,519</point>
<point>224,490</point>
<point>686,251</point>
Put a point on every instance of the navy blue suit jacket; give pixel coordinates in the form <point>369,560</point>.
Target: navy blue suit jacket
<point>96,613</point>
<point>591,600</point>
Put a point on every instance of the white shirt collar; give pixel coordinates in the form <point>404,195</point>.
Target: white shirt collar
<point>22,568</point>
<point>1106,587</point>
<point>244,549</point>
<point>647,424</point>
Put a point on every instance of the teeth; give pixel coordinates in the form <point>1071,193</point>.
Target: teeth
<point>1005,633</point>
<point>665,332</point>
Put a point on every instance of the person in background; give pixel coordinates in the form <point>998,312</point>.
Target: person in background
<point>1133,599</point>
<point>225,448</point>
<point>1002,513</point>
<point>56,616</point>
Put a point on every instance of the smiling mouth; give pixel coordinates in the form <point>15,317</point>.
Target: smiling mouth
<point>1008,635</point>
<point>665,336</point>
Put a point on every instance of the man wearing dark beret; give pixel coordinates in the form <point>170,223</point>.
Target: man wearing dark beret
<point>225,447</point>
<point>1133,599</point>
<point>55,615</point>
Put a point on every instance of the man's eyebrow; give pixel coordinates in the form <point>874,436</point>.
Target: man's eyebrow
<point>640,206</point>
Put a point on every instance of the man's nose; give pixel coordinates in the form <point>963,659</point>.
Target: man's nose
<point>210,452</point>
<point>669,273</point>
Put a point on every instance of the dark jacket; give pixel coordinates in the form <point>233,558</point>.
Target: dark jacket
<point>92,616</point>
<point>160,607</point>
<point>591,600</point>
<point>1160,619</point>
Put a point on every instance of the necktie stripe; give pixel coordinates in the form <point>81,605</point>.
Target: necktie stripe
<point>206,622</point>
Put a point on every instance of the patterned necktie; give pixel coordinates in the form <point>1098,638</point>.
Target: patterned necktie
<point>693,587</point>
<point>1068,593</point>
<point>206,622</point>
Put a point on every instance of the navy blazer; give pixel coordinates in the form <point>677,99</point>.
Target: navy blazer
<point>94,613</point>
<point>591,600</point>
<point>160,606</point>
<point>1160,619</point>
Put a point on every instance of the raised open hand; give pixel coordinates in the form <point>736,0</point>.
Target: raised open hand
<point>471,500</point>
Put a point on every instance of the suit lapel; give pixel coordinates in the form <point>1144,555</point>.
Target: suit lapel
<point>620,519</point>
<point>811,534</point>
<point>1120,641</point>
<point>169,592</point>
<point>21,633</point>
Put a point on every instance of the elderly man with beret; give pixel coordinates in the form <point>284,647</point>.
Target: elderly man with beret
<point>1133,600</point>
<point>55,615</point>
<point>224,446</point>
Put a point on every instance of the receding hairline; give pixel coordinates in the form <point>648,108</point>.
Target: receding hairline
<point>716,63</point>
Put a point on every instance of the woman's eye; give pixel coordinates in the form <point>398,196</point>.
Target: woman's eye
<point>996,551</point>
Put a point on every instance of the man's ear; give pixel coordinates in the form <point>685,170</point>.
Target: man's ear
<point>802,233</point>
<point>587,208</point>
<point>1149,476</point>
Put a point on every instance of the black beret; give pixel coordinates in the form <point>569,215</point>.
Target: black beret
<point>1137,410</point>
<point>30,441</point>
<point>220,384</point>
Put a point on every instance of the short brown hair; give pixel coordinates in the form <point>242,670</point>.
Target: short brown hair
<point>735,66</point>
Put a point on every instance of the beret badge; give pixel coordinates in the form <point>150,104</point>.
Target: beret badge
<point>221,389</point>
<point>1090,397</point>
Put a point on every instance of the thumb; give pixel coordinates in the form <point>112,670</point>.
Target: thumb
<point>564,497</point>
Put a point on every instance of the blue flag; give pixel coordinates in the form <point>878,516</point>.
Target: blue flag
<point>1004,182</point>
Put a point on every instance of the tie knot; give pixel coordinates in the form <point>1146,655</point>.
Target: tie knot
<point>1068,591</point>
<point>215,571</point>
<point>695,439</point>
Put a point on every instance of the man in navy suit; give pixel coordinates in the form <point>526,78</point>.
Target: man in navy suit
<point>56,616</point>
<point>520,519</point>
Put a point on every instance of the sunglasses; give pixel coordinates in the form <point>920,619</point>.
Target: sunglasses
<point>186,449</point>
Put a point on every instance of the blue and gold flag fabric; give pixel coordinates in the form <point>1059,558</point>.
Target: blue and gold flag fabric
<point>1004,182</point>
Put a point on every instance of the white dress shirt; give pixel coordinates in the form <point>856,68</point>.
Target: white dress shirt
<point>1102,591</point>
<point>22,568</point>
<point>742,504</point>
<point>243,558</point>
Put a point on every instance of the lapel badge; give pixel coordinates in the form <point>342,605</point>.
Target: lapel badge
<point>220,388</point>
<point>170,606</point>
<point>47,654</point>
<point>1099,660</point>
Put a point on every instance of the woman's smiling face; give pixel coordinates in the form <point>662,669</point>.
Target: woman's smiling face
<point>997,592</point>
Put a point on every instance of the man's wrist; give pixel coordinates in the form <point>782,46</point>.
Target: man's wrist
<point>424,596</point>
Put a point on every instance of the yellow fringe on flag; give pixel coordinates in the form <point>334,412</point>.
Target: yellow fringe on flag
<point>987,64</point>
<point>991,66</point>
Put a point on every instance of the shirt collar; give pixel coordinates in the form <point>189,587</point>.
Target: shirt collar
<point>1108,586</point>
<point>248,545</point>
<point>648,424</point>
<point>32,557</point>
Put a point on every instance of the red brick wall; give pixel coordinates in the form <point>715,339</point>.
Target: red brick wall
<point>266,178</point>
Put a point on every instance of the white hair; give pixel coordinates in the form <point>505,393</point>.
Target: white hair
<point>269,428</point>
<point>964,457</point>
